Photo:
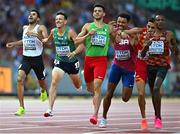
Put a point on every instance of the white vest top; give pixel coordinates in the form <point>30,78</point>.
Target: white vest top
<point>32,46</point>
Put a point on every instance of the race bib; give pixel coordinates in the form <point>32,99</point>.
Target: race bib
<point>122,54</point>
<point>63,50</point>
<point>98,40</point>
<point>157,47</point>
<point>29,43</point>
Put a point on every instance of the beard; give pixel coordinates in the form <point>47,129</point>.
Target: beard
<point>32,21</point>
<point>98,18</point>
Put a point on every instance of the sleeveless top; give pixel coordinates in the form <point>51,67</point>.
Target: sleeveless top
<point>32,46</point>
<point>159,51</point>
<point>98,44</point>
<point>124,54</point>
<point>63,46</point>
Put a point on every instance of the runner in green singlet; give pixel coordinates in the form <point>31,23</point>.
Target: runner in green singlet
<point>66,60</point>
<point>97,40</point>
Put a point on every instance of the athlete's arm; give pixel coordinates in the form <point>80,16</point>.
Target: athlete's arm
<point>15,43</point>
<point>44,32</point>
<point>113,30</point>
<point>84,34</point>
<point>173,45</point>
<point>79,47</point>
<point>135,30</point>
<point>49,38</point>
<point>145,48</point>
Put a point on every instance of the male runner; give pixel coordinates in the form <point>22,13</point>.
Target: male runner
<point>158,63</point>
<point>97,41</point>
<point>66,60</point>
<point>32,57</point>
<point>123,66</point>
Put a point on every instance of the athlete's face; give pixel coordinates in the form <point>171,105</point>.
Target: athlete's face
<point>150,27</point>
<point>60,21</point>
<point>160,21</point>
<point>98,13</point>
<point>33,17</point>
<point>122,23</point>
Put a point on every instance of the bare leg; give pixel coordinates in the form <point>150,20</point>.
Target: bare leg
<point>43,85</point>
<point>20,87</point>
<point>126,93</point>
<point>107,98</point>
<point>76,80</point>
<point>97,95</point>
<point>141,97</point>
<point>57,75</point>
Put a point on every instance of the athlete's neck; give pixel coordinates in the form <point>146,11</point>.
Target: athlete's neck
<point>99,23</point>
<point>160,31</point>
<point>61,30</point>
<point>32,24</point>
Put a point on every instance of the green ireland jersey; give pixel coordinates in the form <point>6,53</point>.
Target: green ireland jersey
<point>98,44</point>
<point>63,46</point>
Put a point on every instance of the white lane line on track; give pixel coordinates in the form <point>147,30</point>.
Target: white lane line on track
<point>85,116</point>
<point>173,113</point>
<point>99,129</point>
<point>82,120</point>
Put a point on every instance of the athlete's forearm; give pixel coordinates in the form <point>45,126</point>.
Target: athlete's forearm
<point>17,43</point>
<point>145,49</point>
<point>80,40</point>
<point>79,49</point>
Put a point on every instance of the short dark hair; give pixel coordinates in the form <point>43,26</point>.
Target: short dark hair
<point>125,15</point>
<point>62,13</point>
<point>99,5</point>
<point>151,20</point>
<point>37,12</point>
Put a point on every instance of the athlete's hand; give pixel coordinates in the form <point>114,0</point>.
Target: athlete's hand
<point>112,23</point>
<point>92,32</point>
<point>71,54</point>
<point>30,33</point>
<point>9,45</point>
<point>45,40</point>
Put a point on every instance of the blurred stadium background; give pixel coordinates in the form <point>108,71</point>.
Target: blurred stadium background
<point>13,14</point>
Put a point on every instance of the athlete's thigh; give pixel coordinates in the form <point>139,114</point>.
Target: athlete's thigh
<point>161,74</point>
<point>114,74</point>
<point>72,67</point>
<point>151,75</point>
<point>100,68</point>
<point>38,67</point>
<point>25,65</point>
<point>128,79</point>
<point>57,74</point>
<point>75,78</point>
<point>88,73</point>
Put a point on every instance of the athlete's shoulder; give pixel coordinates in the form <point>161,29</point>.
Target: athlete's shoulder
<point>54,29</point>
<point>42,26</point>
<point>88,24</point>
<point>25,26</point>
